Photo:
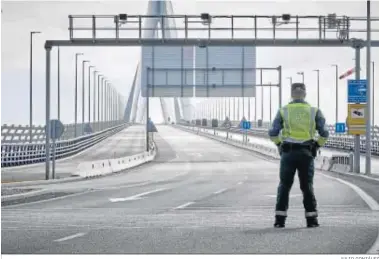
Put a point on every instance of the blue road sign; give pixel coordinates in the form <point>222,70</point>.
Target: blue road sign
<point>246,125</point>
<point>356,91</point>
<point>340,127</point>
<point>56,129</point>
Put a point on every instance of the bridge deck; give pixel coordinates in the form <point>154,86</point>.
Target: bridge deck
<point>324,151</point>
<point>199,196</point>
<point>125,143</point>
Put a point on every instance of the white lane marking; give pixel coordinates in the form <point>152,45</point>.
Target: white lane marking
<point>291,195</point>
<point>239,183</point>
<point>8,207</point>
<point>367,198</point>
<point>375,247</point>
<point>70,237</point>
<point>136,197</point>
<point>185,205</point>
<point>176,157</point>
<point>220,191</point>
<point>364,176</point>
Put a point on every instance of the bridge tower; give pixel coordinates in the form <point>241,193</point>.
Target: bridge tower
<point>136,106</point>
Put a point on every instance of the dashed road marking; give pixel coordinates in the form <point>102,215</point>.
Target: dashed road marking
<point>220,191</point>
<point>239,183</point>
<point>70,237</point>
<point>185,205</point>
<point>137,196</point>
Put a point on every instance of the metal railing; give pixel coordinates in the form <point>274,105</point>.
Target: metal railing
<point>335,163</point>
<point>17,154</point>
<point>336,140</point>
<point>20,134</point>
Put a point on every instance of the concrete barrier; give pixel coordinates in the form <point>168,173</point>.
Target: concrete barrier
<point>110,166</point>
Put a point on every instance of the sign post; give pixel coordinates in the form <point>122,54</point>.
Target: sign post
<point>357,99</point>
<point>56,131</point>
<point>246,125</point>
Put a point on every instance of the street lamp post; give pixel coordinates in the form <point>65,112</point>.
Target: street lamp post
<point>336,66</point>
<point>290,78</point>
<point>105,95</point>
<point>110,103</point>
<point>76,92</point>
<point>94,96</point>
<point>302,75</point>
<point>59,86</point>
<point>31,86</point>
<point>83,64</point>
<point>98,99</point>
<point>368,76</point>
<point>114,104</point>
<point>373,93</point>
<point>229,108</point>
<point>234,108</point>
<point>270,103</point>
<point>89,94</point>
<point>318,87</point>
<point>102,101</point>
<point>262,103</point>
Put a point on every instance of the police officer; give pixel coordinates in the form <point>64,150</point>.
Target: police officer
<point>297,122</point>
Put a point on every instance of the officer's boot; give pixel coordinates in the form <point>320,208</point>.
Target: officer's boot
<point>312,222</point>
<point>280,221</point>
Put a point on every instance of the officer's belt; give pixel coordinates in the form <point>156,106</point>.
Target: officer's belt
<point>287,146</point>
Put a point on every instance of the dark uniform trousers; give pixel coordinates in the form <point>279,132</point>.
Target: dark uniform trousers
<point>299,159</point>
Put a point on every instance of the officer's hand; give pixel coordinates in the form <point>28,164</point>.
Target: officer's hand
<point>315,149</point>
<point>279,146</point>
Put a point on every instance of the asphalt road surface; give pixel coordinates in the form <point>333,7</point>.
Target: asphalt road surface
<point>198,196</point>
<point>128,142</point>
<point>324,152</point>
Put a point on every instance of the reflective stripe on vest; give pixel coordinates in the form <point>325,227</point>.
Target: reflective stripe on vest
<point>298,122</point>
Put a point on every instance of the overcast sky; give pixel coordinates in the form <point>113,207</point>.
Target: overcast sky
<point>118,64</point>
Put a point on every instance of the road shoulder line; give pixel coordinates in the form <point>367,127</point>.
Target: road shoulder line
<point>367,198</point>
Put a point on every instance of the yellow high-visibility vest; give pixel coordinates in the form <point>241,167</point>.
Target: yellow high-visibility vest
<point>299,122</point>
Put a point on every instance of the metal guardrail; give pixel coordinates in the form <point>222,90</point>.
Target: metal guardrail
<point>20,133</point>
<point>16,154</point>
<point>336,141</point>
<point>335,163</point>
